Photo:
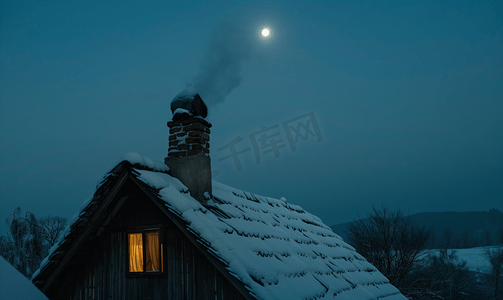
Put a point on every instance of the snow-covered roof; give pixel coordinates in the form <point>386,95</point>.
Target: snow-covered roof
<point>276,249</point>
<point>13,285</point>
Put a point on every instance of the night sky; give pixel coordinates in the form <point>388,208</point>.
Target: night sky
<point>359,103</point>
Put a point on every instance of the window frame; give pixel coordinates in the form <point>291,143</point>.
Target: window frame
<point>162,254</point>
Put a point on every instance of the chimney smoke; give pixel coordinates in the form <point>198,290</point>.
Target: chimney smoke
<point>231,44</point>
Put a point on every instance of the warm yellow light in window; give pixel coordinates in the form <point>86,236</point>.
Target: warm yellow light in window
<point>152,251</point>
<point>135,241</point>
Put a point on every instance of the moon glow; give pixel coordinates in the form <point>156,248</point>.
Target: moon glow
<point>265,32</point>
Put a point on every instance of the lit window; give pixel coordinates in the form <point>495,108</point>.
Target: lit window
<point>145,252</point>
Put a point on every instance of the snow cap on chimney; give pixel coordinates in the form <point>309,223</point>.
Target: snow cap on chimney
<point>190,102</point>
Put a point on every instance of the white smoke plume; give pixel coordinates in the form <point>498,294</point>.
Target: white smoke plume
<point>231,44</point>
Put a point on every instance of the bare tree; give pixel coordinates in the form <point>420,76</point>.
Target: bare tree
<point>53,228</point>
<point>452,273</point>
<point>495,259</point>
<point>388,239</point>
<point>29,240</point>
<point>7,249</point>
<point>13,245</point>
<point>443,276</point>
<point>35,247</point>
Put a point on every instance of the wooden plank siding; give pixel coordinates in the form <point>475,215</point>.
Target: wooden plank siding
<point>189,275</point>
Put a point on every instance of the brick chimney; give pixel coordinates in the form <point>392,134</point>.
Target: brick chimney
<point>188,153</point>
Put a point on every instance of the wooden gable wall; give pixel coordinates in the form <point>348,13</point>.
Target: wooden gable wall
<point>99,270</point>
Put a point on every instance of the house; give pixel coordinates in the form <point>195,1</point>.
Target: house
<point>157,230</point>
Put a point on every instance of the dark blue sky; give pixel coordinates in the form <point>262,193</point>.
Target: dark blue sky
<point>407,96</point>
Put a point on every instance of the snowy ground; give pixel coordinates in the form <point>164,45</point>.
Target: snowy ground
<point>475,258</point>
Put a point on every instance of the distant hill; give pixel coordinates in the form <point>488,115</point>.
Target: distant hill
<point>455,229</point>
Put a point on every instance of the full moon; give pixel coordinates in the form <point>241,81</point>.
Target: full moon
<point>265,32</point>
